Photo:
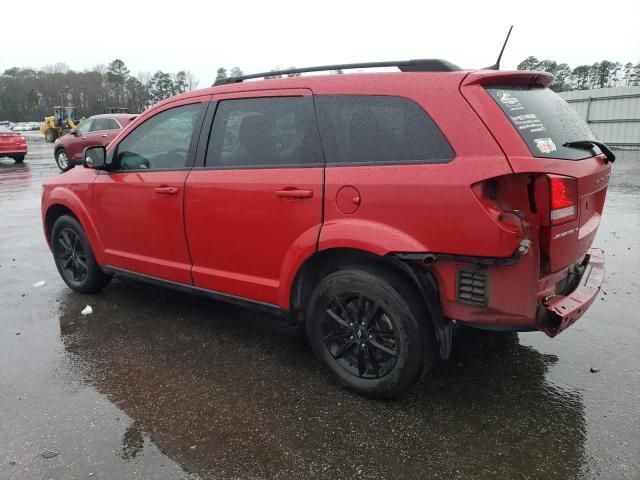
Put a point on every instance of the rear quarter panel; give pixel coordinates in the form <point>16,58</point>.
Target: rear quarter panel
<point>420,207</point>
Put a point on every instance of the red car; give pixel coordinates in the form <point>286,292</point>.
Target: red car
<point>12,144</point>
<point>375,207</point>
<point>96,130</point>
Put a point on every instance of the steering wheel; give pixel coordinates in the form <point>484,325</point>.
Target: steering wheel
<point>181,152</point>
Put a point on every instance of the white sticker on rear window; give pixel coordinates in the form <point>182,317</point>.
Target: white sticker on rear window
<point>529,122</point>
<point>545,145</point>
<point>509,101</point>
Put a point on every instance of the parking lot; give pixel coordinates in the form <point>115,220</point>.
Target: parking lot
<point>158,384</point>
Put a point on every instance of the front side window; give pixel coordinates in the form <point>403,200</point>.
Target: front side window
<point>104,124</point>
<point>369,129</point>
<point>161,142</point>
<point>84,126</point>
<point>264,132</point>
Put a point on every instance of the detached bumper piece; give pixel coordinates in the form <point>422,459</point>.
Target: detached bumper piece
<point>561,311</point>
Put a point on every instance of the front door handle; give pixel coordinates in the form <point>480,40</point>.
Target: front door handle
<point>295,193</point>
<point>103,136</point>
<point>165,190</point>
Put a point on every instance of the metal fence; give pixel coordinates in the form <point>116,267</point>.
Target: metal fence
<point>612,113</point>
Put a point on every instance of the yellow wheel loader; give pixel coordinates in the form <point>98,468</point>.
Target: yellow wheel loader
<point>62,120</point>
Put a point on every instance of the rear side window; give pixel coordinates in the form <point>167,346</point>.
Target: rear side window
<point>544,121</point>
<point>104,124</point>
<point>264,132</point>
<point>366,129</point>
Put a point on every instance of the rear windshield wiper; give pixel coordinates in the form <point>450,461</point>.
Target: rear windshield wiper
<point>589,144</point>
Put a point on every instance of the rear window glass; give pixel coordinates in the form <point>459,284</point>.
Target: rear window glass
<point>364,129</point>
<point>544,121</point>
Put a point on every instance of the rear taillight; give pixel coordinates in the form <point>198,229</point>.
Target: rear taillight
<point>564,199</point>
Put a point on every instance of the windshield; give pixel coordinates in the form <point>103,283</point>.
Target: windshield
<point>544,121</point>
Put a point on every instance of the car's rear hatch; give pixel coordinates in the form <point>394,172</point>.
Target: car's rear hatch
<point>533,124</point>
<point>10,141</point>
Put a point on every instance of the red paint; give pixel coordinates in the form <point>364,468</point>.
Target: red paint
<point>247,232</point>
<point>12,143</point>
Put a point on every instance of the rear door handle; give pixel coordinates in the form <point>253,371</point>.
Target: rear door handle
<point>165,190</point>
<point>295,193</point>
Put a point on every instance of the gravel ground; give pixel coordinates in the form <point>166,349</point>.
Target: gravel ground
<point>158,384</point>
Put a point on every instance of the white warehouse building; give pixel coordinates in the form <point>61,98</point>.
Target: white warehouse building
<point>612,113</point>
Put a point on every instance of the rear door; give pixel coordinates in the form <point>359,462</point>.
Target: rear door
<point>138,203</point>
<point>533,124</point>
<point>254,204</point>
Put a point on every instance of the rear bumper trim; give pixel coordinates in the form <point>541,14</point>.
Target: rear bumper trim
<point>561,311</point>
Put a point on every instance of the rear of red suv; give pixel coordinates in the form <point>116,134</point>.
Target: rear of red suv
<point>556,191</point>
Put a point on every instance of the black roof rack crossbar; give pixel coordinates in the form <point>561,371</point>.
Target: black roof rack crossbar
<point>420,65</point>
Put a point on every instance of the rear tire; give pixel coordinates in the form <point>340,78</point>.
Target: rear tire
<point>18,158</point>
<point>367,326</point>
<point>74,258</point>
<point>62,160</point>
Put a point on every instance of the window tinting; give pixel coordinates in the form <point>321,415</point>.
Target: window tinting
<point>161,142</point>
<point>544,121</point>
<point>264,132</point>
<point>104,124</point>
<point>362,129</point>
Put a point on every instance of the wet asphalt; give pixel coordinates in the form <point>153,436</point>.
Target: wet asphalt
<point>157,384</point>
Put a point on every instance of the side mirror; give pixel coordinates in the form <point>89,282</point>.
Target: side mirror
<point>94,157</point>
<point>73,132</point>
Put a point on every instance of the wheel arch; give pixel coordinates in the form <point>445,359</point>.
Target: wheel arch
<point>321,263</point>
<point>66,203</point>
<point>58,148</point>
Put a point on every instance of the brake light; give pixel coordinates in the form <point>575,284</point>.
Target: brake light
<point>564,199</point>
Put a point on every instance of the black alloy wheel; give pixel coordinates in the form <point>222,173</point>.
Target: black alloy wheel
<point>71,256</point>
<point>360,336</point>
<point>366,323</point>
<point>74,258</point>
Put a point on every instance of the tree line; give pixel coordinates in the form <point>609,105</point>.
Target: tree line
<point>584,77</point>
<point>27,94</point>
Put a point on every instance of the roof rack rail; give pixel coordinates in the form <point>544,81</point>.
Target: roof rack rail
<point>420,65</point>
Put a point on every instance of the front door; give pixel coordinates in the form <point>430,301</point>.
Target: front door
<point>256,202</point>
<point>82,140</point>
<point>139,202</point>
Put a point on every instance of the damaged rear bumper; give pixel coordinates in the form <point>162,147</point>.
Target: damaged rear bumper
<point>561,311</point>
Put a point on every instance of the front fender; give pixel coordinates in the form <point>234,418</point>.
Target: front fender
<point>75,198</point>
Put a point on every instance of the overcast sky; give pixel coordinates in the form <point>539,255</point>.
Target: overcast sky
<point>203,35</point>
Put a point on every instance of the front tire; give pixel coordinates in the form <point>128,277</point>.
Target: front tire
<point>364,324</point>
<point>63,161</point>
<point>74,258</point>
<point>50,135</point>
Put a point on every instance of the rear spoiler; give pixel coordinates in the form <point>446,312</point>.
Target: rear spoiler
<point>527,78</point>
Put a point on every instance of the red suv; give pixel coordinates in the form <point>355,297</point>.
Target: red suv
<point>376,208</point>
<point>96,130</point>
